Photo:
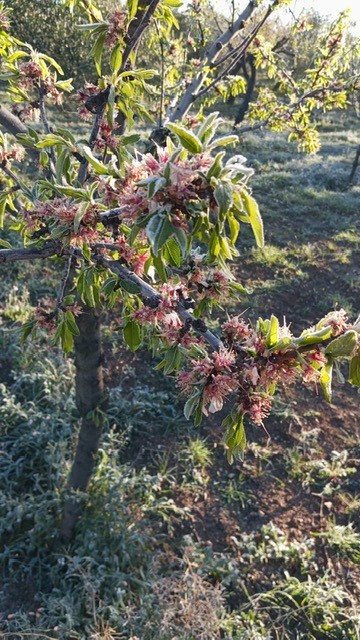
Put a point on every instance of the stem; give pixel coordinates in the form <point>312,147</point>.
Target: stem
<point>45,122</point>
<point>89,388</point>
<point>63,283</point>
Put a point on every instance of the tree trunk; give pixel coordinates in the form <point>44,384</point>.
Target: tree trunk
<point>355,165</point>
<point>89,400</point>
<point>250,84</point>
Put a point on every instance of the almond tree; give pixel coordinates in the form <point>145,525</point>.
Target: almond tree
<point>150,233</point>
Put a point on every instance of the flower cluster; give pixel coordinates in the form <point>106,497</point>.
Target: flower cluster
<point>117,25</point>
<point>32,78</point>
<point>62,213</point>
<point>7,155</point>
<point>133,258</point>
<point>183,183</point>
<point>106,138</point>
<point>247,367</point>
<point>211,284</point>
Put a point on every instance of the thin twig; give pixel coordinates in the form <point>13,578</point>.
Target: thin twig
<point>11,175</point>
<point>162,75</point>
<point>63,283</point>
<point>238,53</point>
<point>290,109</point>
<point>44,119</point>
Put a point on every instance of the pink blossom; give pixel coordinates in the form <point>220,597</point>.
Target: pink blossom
<point>216,391</point>
<point>236,329</point>
<point>223,359</point>
<point>337,320</point>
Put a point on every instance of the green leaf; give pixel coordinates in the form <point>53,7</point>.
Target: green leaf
<point>223,141</point>
<point>343,346</point>
<point>110,107</point>
<point>158,230</point>
<point>326,379</point>
<point>234,437</point>
<point>71,192</point>
<point>132,6</point>
<point>173,250</point>
<point>97,51</point>
<point>99,167</point>
<point>191,404</point>
<point>255,219</point>
<point>312,337</point>
<point>132,335</point>
<point>216,167</point>
<point>272,337</point>
<point>79,215</point>
<point>71,323</point>
<point>130,286</point>
<point>354,372</point>
<point>223,195</point>
<point>116,58</point>
<point>208,127</point>
<point>109,286</point>
<point>50,140</point>
<point>188,139</point>
<point>181,239</point>
<point>160,267</point>
<point>5,244</point>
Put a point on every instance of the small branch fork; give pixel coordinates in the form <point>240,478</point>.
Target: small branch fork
<point>149,292</point>
<point>192,91</point>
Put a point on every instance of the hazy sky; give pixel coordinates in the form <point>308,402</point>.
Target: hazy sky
<point>331,7</point>
<point>327,7</point>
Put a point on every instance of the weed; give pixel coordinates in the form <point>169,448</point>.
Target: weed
<point>343,540</point>
<point>235,491</point>
<point>313,609</point>
<point>326,475</point>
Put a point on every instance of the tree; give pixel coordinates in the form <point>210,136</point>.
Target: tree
<point>150,232</point>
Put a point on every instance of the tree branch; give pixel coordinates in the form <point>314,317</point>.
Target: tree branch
<point>210,56</point>
<point>135,36</point>
<point>30,253</point>
<point>149,292</point>
<point>12,124</point>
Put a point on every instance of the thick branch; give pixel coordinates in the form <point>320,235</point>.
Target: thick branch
<point>13,125</point>
<point>135,34</point>
<point>149,292</point>
<point>209,58</point>
<point>29,253</point>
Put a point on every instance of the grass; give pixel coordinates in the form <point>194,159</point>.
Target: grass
<point>175,543</point>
